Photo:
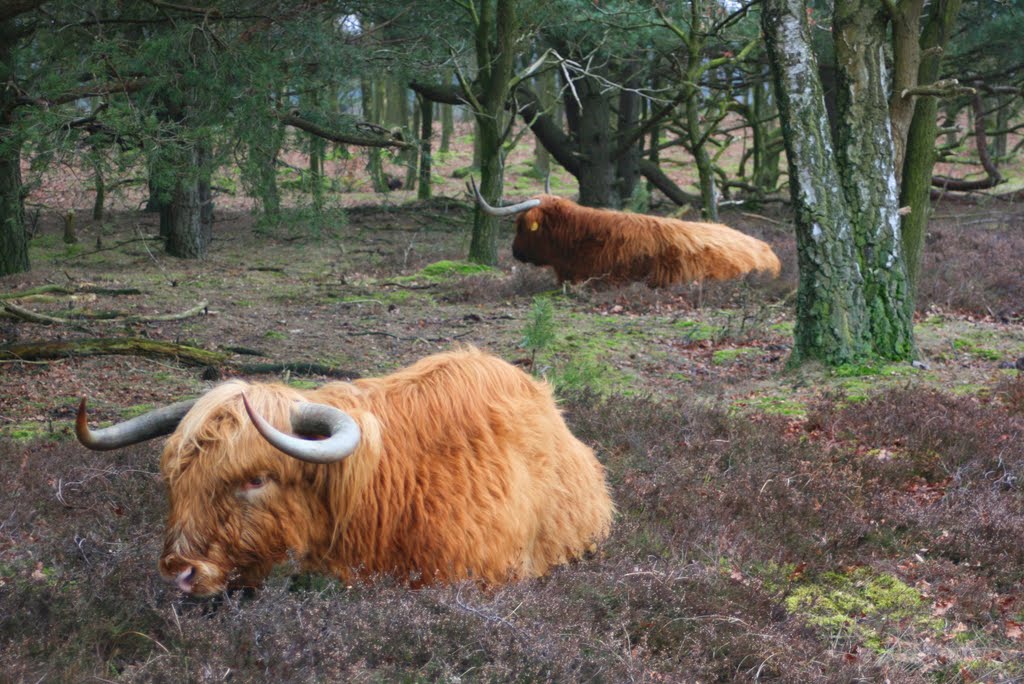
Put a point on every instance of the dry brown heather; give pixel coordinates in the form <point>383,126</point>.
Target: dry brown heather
<point>799,527</point>
<point>712,505</point>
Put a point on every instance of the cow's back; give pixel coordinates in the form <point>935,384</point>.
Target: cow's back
<point>478,475</point>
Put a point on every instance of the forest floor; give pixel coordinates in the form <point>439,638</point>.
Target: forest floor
<point>811,524</point>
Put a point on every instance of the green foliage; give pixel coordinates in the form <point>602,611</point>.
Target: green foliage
<point>539,332</point>
<point>581,373</point>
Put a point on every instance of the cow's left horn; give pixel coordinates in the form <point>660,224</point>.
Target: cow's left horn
<point>501,211</point>
<point>162,421</point>
<point>311,419</point>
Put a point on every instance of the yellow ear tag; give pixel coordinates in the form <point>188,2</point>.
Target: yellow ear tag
<point>534,226</point>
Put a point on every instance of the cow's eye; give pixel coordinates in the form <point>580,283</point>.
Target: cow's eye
<point>254,483</point>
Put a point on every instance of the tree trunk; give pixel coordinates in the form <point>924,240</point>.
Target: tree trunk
<point>447,119</point>
<point>483,246</point>
<point>595,143</point>
<point>919,161</point>
<point>765,141</point>
<point>1003,105</point>
<point>412,155</point>
<point>546,96</point>
<point>628,164</point>
<point>13,238</point>
<point>701,159</point>
<point>864,151</point>
<point>188,217</point>
<point>426,133</point>
<point>373,102</point>
<point>98,183</point>
<point>906,58</point>
<point>697,144</point>
<point>494,50</point>
<point>831,324</point>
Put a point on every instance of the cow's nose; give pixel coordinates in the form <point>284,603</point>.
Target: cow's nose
<point>186,579</point>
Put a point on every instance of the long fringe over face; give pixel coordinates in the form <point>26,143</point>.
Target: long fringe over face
<point>466,469</point>
<point>582,243</point>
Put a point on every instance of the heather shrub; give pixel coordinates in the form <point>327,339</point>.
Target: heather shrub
<point>729,526</point>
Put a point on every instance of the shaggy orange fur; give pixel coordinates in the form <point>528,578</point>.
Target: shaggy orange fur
<point>465,469</point>
<point>581,243</point>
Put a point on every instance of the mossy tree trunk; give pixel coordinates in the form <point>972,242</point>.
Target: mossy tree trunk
<point>853,300</point>
<point>919,161</point>
<point>865,154</point>
<point>767,147</point>
<point>830,308</point>
<point>495,31</point>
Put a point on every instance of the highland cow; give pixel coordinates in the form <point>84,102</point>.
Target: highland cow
<point>459,466</point>
<point>581,243</point>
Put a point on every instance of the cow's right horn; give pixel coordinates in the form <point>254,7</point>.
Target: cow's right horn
<point>501,211</point>
<point>162,421</point>
<point>308,418</point>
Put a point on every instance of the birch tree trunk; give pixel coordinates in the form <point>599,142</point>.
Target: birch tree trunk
<point>853,300</point>
<point>865,150</point>
<point>830,308</point>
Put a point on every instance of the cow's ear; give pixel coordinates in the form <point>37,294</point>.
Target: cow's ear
<point>534,226</point>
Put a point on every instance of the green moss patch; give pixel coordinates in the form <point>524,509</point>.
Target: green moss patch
<point>863,606</point>
<point>723,357</point>
<point>446,270</point>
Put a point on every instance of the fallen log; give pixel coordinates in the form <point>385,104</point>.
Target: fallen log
<point>128,346</point>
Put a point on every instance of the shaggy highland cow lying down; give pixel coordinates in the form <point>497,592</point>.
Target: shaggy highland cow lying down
<point>458,466</point>
<point>581,243</point>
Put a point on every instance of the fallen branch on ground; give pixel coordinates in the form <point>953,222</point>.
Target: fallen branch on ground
<point>34,317</point>
<point>61,289</point>
<point>36,352</point>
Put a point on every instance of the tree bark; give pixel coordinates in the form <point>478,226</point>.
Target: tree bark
<point>830,308</point>
<point>426,133</point>
<point>906,59</point>
<point>547,96</point>
<point>919,161</point>
<point>13,238</point>
<point>864,152</point>
<point>495,53</point>
<point>627,171</point>
<point>189,213</point>
<point>595,137</point>
<point>372,105</point>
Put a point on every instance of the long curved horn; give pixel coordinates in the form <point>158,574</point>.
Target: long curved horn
<point>501,211</point>
<point>309,418</point>
<point>162,421</point>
